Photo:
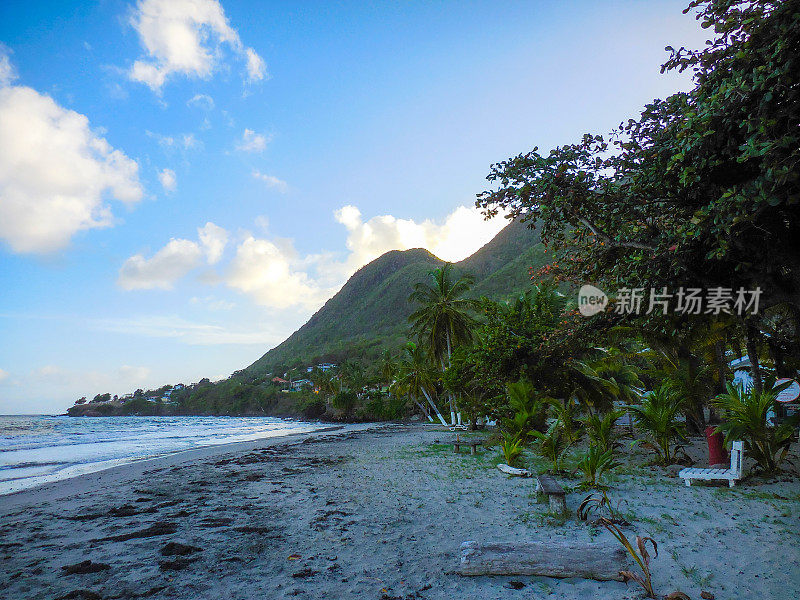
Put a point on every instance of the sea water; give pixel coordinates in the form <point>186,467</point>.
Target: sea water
<point>41,449</point>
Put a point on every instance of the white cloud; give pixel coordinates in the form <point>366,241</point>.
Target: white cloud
<point>202,101</point>
<point>174,261</point>
<point>56,174</point>
<point>7,71</point>
<point>214,239</point>
<point>271,272</point>
<point>185,141</point>
<point>275,276</point>
<point>463,232</point>
<point>252,142</point>
<point>186,37</point>
<point>188,332</point>
<point>3,374</point>
<point>271,181</point>
<point>265,271</point>
<point>169,264</point>
<point>167,179</point>
<point>256,69</point>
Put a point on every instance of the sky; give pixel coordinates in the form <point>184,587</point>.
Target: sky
<point>183,183</point>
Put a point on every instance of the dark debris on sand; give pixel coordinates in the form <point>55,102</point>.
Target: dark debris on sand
<point>87,566</point>
<point>158,528</point>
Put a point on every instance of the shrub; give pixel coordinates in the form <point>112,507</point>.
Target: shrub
<point>601,429</point>
<point>745,416</point>
<point>344,402</point>
<point>657,415</point>
<point>528,410</point>
<point>511,447</point>
<point>594,463</point>
<point>552,444</point>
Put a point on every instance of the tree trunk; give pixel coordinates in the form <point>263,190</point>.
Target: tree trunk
<point>751,333</point>
<point>453,420</point>
<point>433,405</point>
<point>423,408</point>
<point>776,352</point>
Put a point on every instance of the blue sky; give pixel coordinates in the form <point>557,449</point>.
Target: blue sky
<point>183,183</point>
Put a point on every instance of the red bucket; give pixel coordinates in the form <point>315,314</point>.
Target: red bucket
<point>716,447</point>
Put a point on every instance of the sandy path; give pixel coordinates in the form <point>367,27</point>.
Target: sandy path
<point>371,514</point>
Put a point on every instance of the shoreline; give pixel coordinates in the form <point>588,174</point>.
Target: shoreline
<point>60,488</point>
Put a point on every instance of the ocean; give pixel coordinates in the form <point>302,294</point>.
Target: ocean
<point>41,449</point>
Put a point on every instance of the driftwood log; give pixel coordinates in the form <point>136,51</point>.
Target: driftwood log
<point>514,471</point>
<point>552,559</point>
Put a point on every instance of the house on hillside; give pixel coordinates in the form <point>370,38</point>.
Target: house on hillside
<point>300,384</point>
<point>326,366</point>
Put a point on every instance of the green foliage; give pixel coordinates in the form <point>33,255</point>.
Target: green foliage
<point>594,463</point>
<point>552,444</point>
<point>604,380</point>
<point>600,429</point>
<point>415,379</point>
<point>657,415</point>
<point>345,401</point>
<point>312,406</point>
<point>474,398</point>
<point>510,342</point>
<point>702,188</point>
<point>745,418</point>
<point>443,319</point>
<point>511,446</point>
<point>527,410</point>
<point>566,413</point>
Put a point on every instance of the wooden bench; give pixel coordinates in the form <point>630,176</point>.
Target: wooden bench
<point>731,475</point>
<point>473,444</point>
<point>555,493</point>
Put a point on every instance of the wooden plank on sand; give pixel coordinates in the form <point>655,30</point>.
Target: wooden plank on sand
<point>552,559</point>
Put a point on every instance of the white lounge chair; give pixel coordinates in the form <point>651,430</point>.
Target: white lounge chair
<point>731,475</point>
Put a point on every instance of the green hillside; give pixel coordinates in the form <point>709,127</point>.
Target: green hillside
<point>371,311</point>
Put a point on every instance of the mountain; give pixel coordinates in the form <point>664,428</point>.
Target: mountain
<point>371,310</point>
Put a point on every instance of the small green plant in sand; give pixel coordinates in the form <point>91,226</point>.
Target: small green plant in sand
<point>658,416</point>
<point>593,464</point>
<point>511,447</point>
<point>601,429</point>
<point>642,558</point>
<point>552,444</point>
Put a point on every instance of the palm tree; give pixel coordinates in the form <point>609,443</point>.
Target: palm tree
<point>388,368</point>
<point>352,376</point>
<point>601,382</point>
<point>443,319</point>
<point>414,379</point>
